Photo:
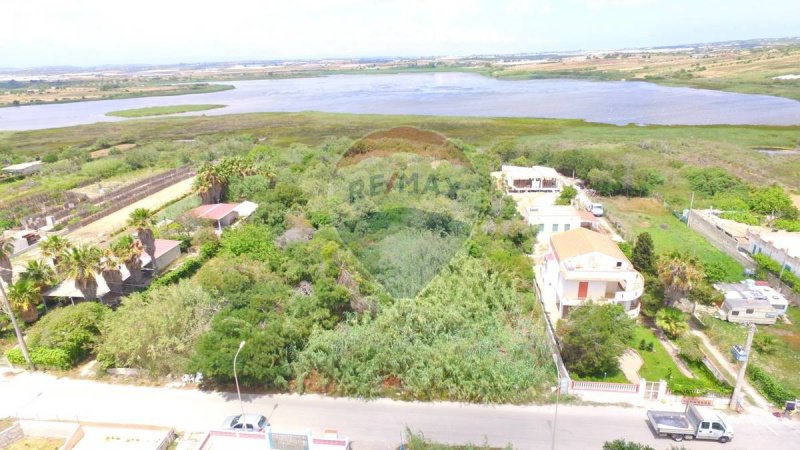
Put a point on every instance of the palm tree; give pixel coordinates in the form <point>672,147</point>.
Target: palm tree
<point>144,220</point>
<point>112,271</point>
<point>672,321</point>
<point>83,263</point>
<point>24,296</point>
<point>129,251</point>
<point>6,250</point>
<point>41,275</point>
<point>53,247</point>
<point>210,183</point>
<point>679,273</point>
<point>212,180</point>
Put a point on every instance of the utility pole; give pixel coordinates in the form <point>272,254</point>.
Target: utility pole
<point>751,331</point>
<point>20,338</point>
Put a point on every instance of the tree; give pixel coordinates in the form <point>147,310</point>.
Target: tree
<point>602,181</point>
<point>643,256</point>
<point>83,263</point>
<point>566,196</point>
<point>6,250</point>
<point>622,444</point>
<point>772,200</point>
<point>143,220</point>
<point>41,275</point>
<point>24,296</point>
<point>679,273</point>
<point>594,337</point>
<point>212,180</point>
<point>672,321</point>
<point>111,270</point>
<point>129,251</point>
<point>53,247</point>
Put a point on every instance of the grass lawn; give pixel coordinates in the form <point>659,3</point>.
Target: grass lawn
<point>784,361</point>
<point>659,365</point>
<point>176,209</point>
<point>161,110</point>
<point>637,215</point>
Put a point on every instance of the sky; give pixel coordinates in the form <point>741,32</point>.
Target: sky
<point>97,32</point>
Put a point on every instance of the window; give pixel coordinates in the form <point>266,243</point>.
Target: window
<point>717,426</point>
<point>735,313</point>
<point>704,425</point>
<point>749,311</point>
<point>619,264</point>
<point>555,227</point>
<point>566,227</point>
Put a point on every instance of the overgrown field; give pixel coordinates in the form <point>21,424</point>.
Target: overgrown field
<point>377,278</point>
<point>776,350</point>
<point>669,234</point>
<point>666,149</point>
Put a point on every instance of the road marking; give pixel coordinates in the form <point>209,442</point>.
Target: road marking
<point>770,428</point>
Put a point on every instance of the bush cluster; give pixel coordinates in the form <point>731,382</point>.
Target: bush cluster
<point>769,386</point>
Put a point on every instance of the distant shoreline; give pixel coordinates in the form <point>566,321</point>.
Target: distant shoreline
<point>207,89</point>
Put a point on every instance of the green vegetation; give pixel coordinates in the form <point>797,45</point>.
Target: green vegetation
<point>669,234</point>
<point>418,441</point>
<point>161,110</point>
<point>594,337</point>
<point>63,337</point>
<point>156,330</point>
<point>766,264</point>
<point>774,367</point>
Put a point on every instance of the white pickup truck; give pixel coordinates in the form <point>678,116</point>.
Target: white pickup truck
<point>690,424</point>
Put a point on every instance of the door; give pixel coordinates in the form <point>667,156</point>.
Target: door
<point>717,430</point>
<point>704,432</point>
<point>583,289</point>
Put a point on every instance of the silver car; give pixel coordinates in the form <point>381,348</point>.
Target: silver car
<point>248,422</point>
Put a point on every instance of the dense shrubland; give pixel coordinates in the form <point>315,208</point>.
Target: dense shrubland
<point>395,274</point>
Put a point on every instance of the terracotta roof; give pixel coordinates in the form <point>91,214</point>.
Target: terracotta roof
<point>165,245</point>
<point>580,241</point>
<point>214,212</point>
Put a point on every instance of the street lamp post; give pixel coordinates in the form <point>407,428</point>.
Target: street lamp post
<point>20,338</point>
<point>236,378</point>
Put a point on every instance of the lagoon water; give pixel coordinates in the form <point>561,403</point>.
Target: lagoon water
<point>447,94</point>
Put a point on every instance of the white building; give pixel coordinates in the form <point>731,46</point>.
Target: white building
<point>782,246</point>
<point>531,179</point>
<point>584,265</point>
<point>24,168</point>
<point>547,220</point>
<point>751,301</point>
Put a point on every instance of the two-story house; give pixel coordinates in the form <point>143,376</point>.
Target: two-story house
<point>583,265</point>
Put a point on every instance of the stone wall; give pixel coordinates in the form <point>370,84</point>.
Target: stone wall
<point>718,238</point>
<point>11,435</point>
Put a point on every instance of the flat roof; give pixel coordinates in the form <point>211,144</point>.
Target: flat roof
<point>553,211</point>
<point>215,211</point>
<point>783,240</point>
<point>532,171</point>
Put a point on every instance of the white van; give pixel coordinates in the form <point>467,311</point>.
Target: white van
<point>594,208</point>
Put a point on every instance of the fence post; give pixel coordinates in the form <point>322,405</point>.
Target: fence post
<point>662,389</point>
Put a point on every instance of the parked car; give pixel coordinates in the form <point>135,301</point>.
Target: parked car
<point>251,422</point>
<point>594,208</point>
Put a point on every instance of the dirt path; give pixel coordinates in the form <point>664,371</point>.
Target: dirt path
<point>101,231</point>
<point>723,363</point>
<point>630,362</point>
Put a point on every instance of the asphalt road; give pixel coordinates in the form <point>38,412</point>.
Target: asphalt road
<point>375,424</point>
